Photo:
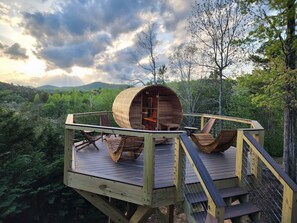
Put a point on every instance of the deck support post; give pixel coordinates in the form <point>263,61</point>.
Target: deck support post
<point>239,158</point>
<point>179,170</point>
<point>148,168</point>
<point>170,214</point>
<point>104,206</point>
<point>289,208</point>
<point>256,170</point>
<point>69,139</point>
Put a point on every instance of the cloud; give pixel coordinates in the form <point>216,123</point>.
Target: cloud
<point>84,32</point>
<point>15,51</point>
<point>80,54</point>
<point>81,29</point>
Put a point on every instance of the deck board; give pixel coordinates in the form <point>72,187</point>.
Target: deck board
<point>96,163</point>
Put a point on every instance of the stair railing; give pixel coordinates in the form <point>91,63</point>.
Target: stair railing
<point>271,189</point>
<point>216,205</point>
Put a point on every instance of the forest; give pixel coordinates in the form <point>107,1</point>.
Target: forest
<point>32,141</point>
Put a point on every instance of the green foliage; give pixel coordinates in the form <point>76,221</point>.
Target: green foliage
<point>31,155</point>
<point>253,99</point>
<point>204,92</point>
<point>61,104</point>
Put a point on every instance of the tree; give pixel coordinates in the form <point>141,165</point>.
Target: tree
<point>274,28</point>
<point>195,93</point>
<point>182,64</point>
<point>161,74</point>
<point>145,55</point>
<point>216,27</point>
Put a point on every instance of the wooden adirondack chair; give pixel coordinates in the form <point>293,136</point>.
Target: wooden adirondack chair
<point>124,147</point>
<point>208,126</point>
<point>90,137</point>
<point>206,143</point>
<point>88,140</point>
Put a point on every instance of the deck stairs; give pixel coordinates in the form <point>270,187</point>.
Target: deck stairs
<point>238,208</point>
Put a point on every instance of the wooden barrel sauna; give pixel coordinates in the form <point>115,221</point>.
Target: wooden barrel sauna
<point>153,107</point>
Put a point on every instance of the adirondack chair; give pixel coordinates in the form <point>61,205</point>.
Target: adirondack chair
<point>124,147</point>
<point>88,140</point>
<point>90,137</point>
<point>208,126</point>
<point>208,144</point>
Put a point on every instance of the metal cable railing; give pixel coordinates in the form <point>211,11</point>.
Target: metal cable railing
<point>266,192</point>
<point>193,194</point>
<point>199,187</point>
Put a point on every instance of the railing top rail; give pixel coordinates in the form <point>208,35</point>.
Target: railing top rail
<point>271,162</point>
<point>205,177</point>
<point>221,117</point>
<point>124,131</point>
<point>91,113</point>
<point>254,124</point>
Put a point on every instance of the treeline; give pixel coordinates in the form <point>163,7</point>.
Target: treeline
<point>31,154</point>
<point>32,141</point>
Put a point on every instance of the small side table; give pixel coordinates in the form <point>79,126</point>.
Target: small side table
<point>170,126</point>
<point>190,130</point>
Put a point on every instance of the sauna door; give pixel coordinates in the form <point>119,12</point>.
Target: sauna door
<point>150,111</point>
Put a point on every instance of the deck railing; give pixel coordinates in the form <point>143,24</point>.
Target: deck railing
<point>73,125</point>
<point>216,205</point>
<point>270,188</point>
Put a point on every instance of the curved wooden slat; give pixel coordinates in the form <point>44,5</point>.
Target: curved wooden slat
<point>206,143</point>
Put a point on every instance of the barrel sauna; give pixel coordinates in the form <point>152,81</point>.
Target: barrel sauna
<point>153,107</point>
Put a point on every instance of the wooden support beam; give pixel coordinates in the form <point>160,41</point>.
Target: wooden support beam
<point>108,188</point>
<point>69,138</point>
<point>149,168</point>
<point>179,170</point>
<point>256,170</point>
<point>170,214</point>
<point>104,206</point>
<point>289,208</point>
<point>141,214</point>
<point>239,157</point>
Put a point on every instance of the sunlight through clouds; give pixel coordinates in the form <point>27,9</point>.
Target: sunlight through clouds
<point>90,40</point>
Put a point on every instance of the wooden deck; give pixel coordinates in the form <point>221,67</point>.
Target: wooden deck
<point>92,162</point>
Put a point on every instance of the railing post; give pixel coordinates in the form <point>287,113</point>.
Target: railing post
<point>179,170</point>
<point>69,139</point>
<point>202,122</point>
<point>256,170</point>
<point>148,168</point>
<point>239,158</point>
<point>289,208</point>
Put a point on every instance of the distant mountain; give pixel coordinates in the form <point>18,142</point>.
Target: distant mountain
<point>87,87</point>
<point>61,80</point>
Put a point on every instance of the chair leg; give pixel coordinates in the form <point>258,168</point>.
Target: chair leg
<point>94,144</point>
<point>82,145</point>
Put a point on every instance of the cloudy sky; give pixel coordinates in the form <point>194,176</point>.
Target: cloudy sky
<point>63,42</point>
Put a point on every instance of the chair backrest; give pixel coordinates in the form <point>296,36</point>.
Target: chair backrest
<point>208,126</point>
<point>85,135</point>
<point>225,139</point>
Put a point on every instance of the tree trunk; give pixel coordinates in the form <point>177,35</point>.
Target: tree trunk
<point>289,155</point>
<point>289,142</point>
<point>220,98</point>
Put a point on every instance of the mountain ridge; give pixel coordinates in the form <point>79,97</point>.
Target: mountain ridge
<point>85,87</point>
